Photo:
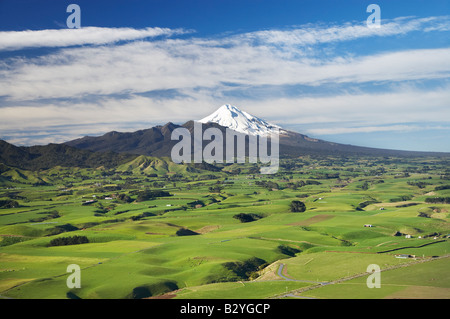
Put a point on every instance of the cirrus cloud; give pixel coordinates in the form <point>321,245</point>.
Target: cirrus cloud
<point>95,79</point>
<point>16,40</point>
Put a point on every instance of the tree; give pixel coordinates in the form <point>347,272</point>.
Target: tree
<point>185,232</point>
<point>150,195</point>
<point>74,240</point>
<point>297,206</point>
<point>8,203</point>
<point>246,218</point>
<point>123,198</point>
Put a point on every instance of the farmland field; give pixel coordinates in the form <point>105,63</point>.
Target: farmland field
<point>175,232</point>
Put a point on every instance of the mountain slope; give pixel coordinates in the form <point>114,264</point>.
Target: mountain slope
<point>51,155</point>
<point>156,141</point>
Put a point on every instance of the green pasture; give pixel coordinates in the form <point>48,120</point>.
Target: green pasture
<point>428,280</point>
<point>148,248</point>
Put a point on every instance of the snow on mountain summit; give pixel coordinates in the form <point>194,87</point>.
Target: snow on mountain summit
<point>240,121</point>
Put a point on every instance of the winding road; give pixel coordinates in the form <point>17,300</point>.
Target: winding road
<point>295,293</point>
<point>280,273</point>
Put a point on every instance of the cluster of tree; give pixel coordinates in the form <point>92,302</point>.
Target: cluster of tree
<point>402,198</point>
<point>290,166</point>
<point>205,166</point>
<point>14,195</point>
<point>246,218</point>
<point>61,229</point>
<point>41,183</point>
<point>442,187</point>
<point>111,188</point>
<point>320,175</point>
<point>295,185</point>
<point>215,189</point>
<point>151,194</point>
<point>185,232</point>
<point>11,240</point>
<point>72,240</point>
<point>415,169</point>
<point>51,215</point>
<point>438,200</point>
<point>65,193</point>
<point>361,205</point>
<point>140,216</point>
<point>311,182</point>
<point>365,186</point>
<point>124,198</point>
<point>206,177</point>
<point>287,250</point>
<point>297,206</point>
<point>418,184</point>
<point>377,171</point>
<point>8,203</point>
<point>195,203</point>
<point>100,211</point>
<point>90,202</point>
<point>174,177</point>
<point>407,205</point>
<point>247,269</point>
<point>121,212</point>
<point>268,184</point>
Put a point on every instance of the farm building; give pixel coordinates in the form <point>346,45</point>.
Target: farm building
<point>402,256</point>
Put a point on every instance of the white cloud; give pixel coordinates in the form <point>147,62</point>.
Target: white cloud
<point>372,129</point>
<point>187,65</point>
<point>404,105</point>
<point>339,113</point>
<point>109,114</point>
<point>37,90</point>
<point>312,34</point>
<point>15,40</point>
<point>364,129</point>
<point>257,58</point>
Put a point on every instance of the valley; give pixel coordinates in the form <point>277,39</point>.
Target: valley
<point>149,228</point>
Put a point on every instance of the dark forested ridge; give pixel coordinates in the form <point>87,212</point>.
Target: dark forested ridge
<point>51,155</point>
<point>115,148</point>
<point>156,141</point>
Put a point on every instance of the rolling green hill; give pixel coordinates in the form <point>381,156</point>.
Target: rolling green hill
<point>155,228</point>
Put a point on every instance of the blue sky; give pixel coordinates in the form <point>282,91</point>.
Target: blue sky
<point>310,66</point>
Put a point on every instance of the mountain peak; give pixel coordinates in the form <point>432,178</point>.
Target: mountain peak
<point>233,118</point>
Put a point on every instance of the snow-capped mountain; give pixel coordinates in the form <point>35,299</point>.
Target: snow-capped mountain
<point>233,118</point>
<point>157,141</point>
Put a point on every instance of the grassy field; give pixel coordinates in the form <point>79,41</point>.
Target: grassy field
<point>154,228</point>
